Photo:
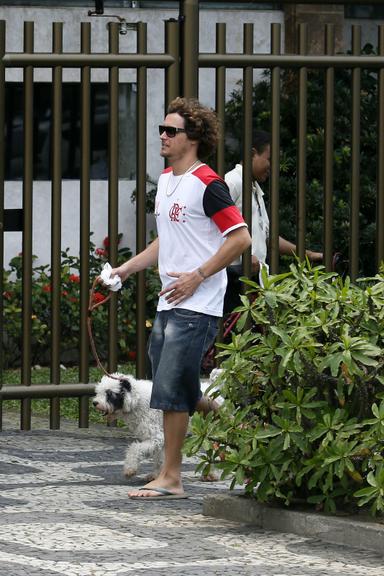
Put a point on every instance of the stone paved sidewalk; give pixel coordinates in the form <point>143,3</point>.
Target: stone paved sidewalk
<point>64,511</point>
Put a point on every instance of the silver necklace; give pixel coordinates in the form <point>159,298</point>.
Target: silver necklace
<point>180,179</point>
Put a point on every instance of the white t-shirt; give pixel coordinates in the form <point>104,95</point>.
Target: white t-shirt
<point>194,212</point>
<point>260,220</point>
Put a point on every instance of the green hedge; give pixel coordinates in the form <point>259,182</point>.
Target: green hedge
<point>303,419</point>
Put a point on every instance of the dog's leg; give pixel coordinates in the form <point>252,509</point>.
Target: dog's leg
<point>135,454</point>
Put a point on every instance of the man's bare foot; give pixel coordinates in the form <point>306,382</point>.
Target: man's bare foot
<point>154,488</point>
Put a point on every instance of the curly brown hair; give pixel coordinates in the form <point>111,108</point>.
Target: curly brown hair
<point>200,123</point>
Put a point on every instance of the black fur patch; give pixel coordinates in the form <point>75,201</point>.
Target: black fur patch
<point>125,383</point>
<point>115,399</point>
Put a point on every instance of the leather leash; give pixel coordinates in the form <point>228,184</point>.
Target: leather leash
<point>92,305</point>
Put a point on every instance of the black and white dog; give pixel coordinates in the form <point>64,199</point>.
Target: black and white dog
<point>127,398</point>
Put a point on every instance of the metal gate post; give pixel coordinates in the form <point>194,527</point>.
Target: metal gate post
<point>141,184</point>
<point>354,229</point>
<point>172,73</point>
<point>302,147</point>
<point>2,173</point>
<point>380,159</point>
<point>190,48</point>
<point>56,203</point>
<point>113,186</point>
<point>27,226</point>
<point>329,97</point>
<point>275,150</point>
<point>247,143</point>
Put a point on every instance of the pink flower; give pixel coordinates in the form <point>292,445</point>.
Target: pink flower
<point>100,252</point>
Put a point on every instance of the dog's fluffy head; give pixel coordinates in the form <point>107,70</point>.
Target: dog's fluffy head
<point>114,395</point>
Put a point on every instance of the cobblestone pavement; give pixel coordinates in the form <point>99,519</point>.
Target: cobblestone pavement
<point>64,511</point>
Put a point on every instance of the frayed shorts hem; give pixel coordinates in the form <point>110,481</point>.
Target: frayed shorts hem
<point>170,407</point>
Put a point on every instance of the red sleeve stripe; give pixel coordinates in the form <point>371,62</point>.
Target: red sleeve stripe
<point>228,219</point>
<point>206,174</point>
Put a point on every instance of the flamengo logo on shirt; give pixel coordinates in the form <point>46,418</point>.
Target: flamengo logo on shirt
<point>175,212</point>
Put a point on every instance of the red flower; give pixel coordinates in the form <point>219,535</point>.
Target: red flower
<point>101,252</point>
<point>74,278</point>
<point>98,297</point>
<point>47,288</point>
<point>64,293</point>
<point>132,355</point>
<point>106,241</point>
<point>7,295</point>
<point>73,299</point>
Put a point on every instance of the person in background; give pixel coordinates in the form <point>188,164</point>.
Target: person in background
<point>261,153</point>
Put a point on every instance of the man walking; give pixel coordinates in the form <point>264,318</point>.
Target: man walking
<point>200,232</point>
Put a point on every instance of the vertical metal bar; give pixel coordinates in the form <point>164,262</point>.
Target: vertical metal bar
<point>275,151</point>
<point>355,158</point>
<point>85,209</point>
<point>27,228</point>
<point>328,148</point>
<point>302,148</point>
<point>56,192</point>
<point>172,73</point>
<point>247,142</point>
<point>141,172</point>
<point>190,48</point>
<point>2,175</point>
<point>220,97</point>
<point>380,158</point>
<point>113,185</point>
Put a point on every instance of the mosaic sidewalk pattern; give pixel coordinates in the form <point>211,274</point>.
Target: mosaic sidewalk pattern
<point>64,511</point>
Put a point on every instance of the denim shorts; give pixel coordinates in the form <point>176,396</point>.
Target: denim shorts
<point>178,342</point>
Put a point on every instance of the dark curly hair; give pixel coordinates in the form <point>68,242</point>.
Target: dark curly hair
<point>200,123</point>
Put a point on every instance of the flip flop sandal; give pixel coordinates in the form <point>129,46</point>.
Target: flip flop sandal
<point>163,495</point>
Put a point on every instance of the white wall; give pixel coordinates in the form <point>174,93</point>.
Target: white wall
<point>369,31</point>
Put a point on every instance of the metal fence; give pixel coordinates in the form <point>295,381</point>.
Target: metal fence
<point>181,62</point>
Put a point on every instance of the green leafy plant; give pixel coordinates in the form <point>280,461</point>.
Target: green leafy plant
<point>303,419</point>
<point>70,308</point>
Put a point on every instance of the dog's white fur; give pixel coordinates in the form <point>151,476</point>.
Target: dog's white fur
<point>115,400</point>
<point>127,398</point>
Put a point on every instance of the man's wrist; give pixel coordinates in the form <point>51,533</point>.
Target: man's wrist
<point>201,273</point>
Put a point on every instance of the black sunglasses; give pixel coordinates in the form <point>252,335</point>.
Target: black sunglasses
<point>170,131</point>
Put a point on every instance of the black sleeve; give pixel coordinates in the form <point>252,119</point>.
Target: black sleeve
<point>216,197</point>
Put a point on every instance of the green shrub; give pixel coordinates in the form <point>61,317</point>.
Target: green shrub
<point>70,309</point>
<point>303,419</point>
<point>342,156</point>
